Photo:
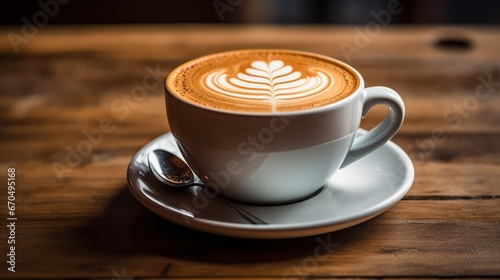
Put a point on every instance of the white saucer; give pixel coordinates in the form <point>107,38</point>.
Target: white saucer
<point>355,194</point>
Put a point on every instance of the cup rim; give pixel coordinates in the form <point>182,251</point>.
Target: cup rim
<point>319,109</point>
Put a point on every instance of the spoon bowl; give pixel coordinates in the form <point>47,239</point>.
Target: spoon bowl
<point>170,169</point>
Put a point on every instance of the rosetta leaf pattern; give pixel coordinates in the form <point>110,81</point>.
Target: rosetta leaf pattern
<point>270,82</point>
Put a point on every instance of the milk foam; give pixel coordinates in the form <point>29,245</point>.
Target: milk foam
<point>262,81</point>
<point>267,82</point>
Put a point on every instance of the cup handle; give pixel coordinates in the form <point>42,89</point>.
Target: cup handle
<point>385,130</point>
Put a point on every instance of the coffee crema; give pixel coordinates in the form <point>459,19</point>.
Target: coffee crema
<point>262,81</point>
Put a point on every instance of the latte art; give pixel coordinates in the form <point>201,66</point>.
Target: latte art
<point>266,81</point>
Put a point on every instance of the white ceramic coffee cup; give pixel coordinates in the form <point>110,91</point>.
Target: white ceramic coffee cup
<point>278,158</point>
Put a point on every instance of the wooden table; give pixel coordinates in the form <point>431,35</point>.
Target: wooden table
<point>76,217</point>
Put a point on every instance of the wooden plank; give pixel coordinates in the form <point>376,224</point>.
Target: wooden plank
<point>40,186</point>
<point>433,238</point>
<point>148,40</point>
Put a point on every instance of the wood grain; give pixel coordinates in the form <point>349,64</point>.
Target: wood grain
<point>85,223</point>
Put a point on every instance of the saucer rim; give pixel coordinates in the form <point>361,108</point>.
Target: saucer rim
<point>275,231</point>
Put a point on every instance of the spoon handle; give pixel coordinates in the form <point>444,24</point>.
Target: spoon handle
<point>249,217</point>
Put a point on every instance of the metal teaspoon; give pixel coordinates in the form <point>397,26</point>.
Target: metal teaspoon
<point>175,173</point>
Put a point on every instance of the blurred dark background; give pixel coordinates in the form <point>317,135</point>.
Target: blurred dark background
<point>251,11</point>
